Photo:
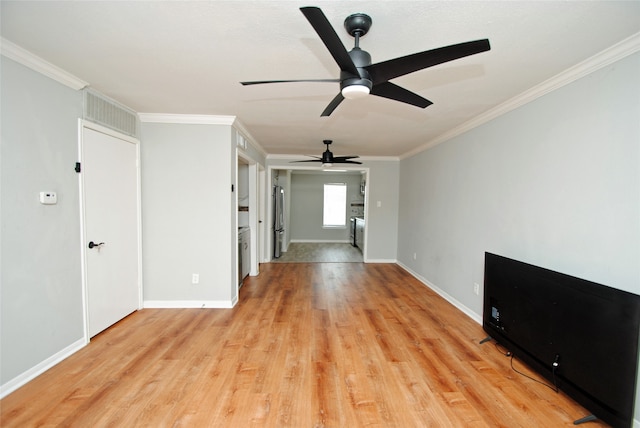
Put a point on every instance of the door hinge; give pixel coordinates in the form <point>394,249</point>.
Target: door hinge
<point>78,167</point>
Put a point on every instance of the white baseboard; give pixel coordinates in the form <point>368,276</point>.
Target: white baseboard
<point>392,261</point>
<point>40,368</point>
<point>471,314</point>
<point>320,241</point>
<point>179,304</point>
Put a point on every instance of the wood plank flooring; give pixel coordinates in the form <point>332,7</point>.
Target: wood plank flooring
<point>309,345</point>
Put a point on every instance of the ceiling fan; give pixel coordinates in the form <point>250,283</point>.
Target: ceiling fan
<point>327,158</point>
<point>358,77</point>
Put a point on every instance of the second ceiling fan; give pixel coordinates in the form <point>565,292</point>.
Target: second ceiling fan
<point>328,159</point>
<point>358,77</point>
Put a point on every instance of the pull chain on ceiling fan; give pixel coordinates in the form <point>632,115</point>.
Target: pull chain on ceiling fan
<point>359,78</point>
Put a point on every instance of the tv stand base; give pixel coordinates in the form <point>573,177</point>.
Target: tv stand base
<point>588,418</point>
<point>486,339</point>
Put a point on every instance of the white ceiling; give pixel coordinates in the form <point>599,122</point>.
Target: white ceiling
<point>188,57</point>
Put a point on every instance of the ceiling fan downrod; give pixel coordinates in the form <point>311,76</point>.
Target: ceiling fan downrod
<point>357,25</point>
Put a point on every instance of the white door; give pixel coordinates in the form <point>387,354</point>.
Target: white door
<point>109,171</point>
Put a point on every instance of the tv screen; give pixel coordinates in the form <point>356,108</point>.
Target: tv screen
<point>578,334</point>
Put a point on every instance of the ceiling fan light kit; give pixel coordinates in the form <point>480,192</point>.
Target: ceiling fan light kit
<point>353,92</point>
<point>359,78</point>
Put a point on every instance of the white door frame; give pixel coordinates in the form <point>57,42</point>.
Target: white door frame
<point>253,169</point>
<point>267,236</point>
<point>82,124</point>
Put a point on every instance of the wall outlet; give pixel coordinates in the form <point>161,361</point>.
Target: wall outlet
<point>195,278</point>
<point>476,288</point>
<point>415,256</point>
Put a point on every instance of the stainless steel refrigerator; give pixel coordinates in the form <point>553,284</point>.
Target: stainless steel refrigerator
<point>278,220</point>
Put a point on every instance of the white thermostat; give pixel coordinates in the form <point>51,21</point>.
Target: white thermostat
<point>48,198</point>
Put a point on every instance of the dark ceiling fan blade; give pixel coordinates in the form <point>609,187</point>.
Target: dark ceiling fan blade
<point>327,34</point>
<point>334,160</point>
<point>260,82</point>
<point>339,158</point>
<point>332,105</point>
<point>386,70</point>
<point>397,93</point>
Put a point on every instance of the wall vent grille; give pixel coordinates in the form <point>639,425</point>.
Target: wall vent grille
<point>108,113</point>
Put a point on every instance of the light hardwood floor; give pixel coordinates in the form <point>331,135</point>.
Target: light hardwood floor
<point>308,345</point>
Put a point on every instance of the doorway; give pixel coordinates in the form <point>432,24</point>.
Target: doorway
<point>250,203</point>
<point>309,238</point>
<point>110,229</point>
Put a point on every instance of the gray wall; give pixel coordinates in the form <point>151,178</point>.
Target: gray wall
<point>381,202</point>
<point>41,288</point>
<point>555,183</point>
<point>188,212</point>
<point>307,195</point>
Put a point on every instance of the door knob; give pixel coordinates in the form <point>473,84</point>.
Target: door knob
<point>93,244</point>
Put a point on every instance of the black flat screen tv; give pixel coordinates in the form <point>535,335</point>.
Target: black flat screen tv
<point>579,335</point>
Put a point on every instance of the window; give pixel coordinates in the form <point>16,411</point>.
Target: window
<point>334,212</point>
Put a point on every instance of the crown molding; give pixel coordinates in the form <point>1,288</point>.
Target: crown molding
<point>29,60</point>
<point>615,53</point>
<point>192,119</point>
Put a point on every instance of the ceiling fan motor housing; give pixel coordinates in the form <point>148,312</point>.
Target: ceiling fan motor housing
<point>351,81</point>
<point>360,59</point>
<point>327,157</point>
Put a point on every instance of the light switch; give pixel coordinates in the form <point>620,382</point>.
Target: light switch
<point>379,204</point>
<point>48,198</point>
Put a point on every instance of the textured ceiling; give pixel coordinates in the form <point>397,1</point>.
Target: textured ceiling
<point>188,57</point>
